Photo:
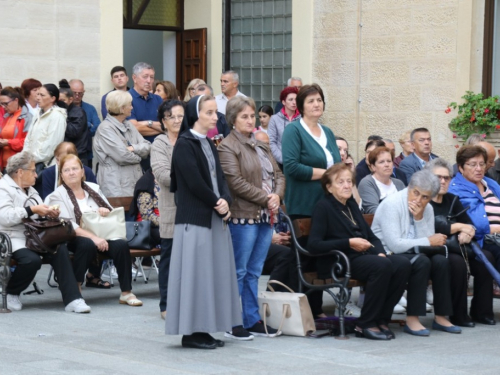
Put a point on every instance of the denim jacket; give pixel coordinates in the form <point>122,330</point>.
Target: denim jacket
<point>471,197</point>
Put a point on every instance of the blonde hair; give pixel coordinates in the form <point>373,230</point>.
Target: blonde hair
<point>194,82</point>
<point>116,101</point>
<point>65,159</point>
<point>405,136</point>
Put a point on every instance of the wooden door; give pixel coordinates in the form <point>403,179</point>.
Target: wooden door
<point>192,50</point>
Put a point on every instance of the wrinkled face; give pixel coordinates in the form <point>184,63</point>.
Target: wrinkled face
<point>44,99</point>
<point>296,83</point>
<point>78,91</point>
<point>289,102</point>
<point>10,105</point>
<point>383,165</point>
<point>264,119</point>
<point>143,82</point>
<point>173,120</point>
<point>422,143</point>
<point>63,98</point>
<point>474,169</point>
<point>160,90</point>
<point>341,185</point>
<point>419,196</point>
<point>245,121</point>
<point>119,80</point>
<point>72,172</point>
<point>207,118</point>
<point>313,106</point>
<point>343,149</point>
<point>228,85</point>
<point>27,176</point>
<point>443,174</point>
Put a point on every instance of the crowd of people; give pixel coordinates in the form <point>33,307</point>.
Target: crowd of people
<point>212,184</point>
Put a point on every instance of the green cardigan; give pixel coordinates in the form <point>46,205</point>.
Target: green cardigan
<point>301,153</point>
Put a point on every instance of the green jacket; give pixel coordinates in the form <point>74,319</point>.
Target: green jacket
<point>301,153</point>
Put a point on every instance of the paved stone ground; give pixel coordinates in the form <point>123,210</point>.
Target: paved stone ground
<point>117,339</point>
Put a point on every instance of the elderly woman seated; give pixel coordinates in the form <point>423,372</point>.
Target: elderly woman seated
<point>403,221</point>
<point>482,195</point>
<point>18,201</point>
<point>337,223</point>
<point>461,264</point>
<point>75,197</point>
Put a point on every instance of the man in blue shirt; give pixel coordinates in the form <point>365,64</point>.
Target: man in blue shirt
<point>145,105</point>
<point>119,79</point>
<point>93,120</point>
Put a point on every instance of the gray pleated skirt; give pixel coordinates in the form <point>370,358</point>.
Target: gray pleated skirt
<point>203,291</point>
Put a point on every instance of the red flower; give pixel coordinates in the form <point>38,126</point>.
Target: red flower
<point>473,118</point>
<point>454,136</point>
<point>497,127</point>
<point>483,135</point>
<point>447,110</point>
<point>457,146</point>
<point>486,110</point>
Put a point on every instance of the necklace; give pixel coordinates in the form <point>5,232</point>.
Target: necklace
<point>350,217</point>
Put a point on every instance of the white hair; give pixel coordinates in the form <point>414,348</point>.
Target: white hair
<point>293,79</point>
<point>140,66</point>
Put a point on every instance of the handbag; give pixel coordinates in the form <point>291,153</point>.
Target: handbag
<point>288,311</point>
<point>110,227</point>
<point>44,235</point>
<point>431,250</point>
<point>139,234</point>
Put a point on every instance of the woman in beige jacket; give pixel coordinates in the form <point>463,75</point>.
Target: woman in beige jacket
<point>119,148</point>
<point>170,116</point>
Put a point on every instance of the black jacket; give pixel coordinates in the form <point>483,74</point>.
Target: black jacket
<point>331,230</point>
<point>77,130</point>
<point>222,125</point>
<point>191,182</point>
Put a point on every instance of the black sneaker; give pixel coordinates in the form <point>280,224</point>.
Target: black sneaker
<point>239,333</point>
<point>259,330</point>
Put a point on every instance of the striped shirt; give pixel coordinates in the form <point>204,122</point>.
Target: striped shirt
<point>491,206</point>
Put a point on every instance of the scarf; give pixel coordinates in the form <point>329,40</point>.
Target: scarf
<point>92,193</point>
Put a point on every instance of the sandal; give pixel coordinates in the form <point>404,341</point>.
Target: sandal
<point>96,282</point>
<point>129,299</point>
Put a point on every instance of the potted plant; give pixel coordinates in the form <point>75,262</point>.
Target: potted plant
<point>475,115</point>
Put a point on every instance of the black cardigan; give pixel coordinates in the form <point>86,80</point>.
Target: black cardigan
<point>443,208</point>
<point>191,182</point>
<point>331,230</point>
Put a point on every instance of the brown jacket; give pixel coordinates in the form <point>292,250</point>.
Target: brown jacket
<point>241,165</point>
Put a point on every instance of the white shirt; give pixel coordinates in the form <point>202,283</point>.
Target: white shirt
<point>322,141</point>
<point>222,100</point>
<point>385,190</point>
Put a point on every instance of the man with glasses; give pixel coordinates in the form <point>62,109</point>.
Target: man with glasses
<point>422,145</point>
<point>93,120</point>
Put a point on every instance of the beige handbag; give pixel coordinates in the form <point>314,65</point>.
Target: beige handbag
<point>111,227</point>
<point>290,312</point>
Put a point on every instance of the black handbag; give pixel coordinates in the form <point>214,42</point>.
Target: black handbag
<point>139,234</point>
<point>431,250</point>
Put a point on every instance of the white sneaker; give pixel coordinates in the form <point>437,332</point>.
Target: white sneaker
<point>78,306</point>
<point>398,309</point>
<point>110,270</point>
<point>13,302</point>
<point>403,302</point>
<point>428,307</point>
<point>352,310</point>
<point>430,295</point>
<point>136,272</point>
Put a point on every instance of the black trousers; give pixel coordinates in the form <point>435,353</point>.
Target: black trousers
<point>385,280</point>
<point>118,250</point>
<point>273,265</point>
<point>83,257</point>
<point>482,302</point>
<point>163,270</point>
<point>29,262</point>
<point>437,270</point>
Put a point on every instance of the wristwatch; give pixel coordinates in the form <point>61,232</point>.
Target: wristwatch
<point>150,124</point>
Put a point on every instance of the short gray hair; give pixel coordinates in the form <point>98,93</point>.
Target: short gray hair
<point>236,77</point>
<point>204,85</point>
<point>473,139</point>
<point>140,66</point>
<point>387,140</point>
<point>22,160</point>
<point>116,100</point>
<point>293,79</point>
<point>439,163</point>
<point>235,105</point>
<point>425,180</point>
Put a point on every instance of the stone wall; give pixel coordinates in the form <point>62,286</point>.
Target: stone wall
<point>388,66</point>
<point>51,40</point>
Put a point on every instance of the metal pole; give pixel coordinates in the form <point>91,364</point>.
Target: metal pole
<point>5,274</point>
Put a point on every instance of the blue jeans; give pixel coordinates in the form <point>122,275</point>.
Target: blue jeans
<point>251,244</point>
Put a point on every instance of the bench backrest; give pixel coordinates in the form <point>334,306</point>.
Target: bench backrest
<point>124,202</point>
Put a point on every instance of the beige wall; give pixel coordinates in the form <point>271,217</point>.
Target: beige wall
<point>51,40</point>
<point>208,13</point>
<point>407,61</point>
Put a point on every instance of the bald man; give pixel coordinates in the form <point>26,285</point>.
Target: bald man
<point>261,136</point>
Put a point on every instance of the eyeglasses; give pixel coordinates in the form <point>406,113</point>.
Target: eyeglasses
<point>5,104</point>
<point>68,170</point>
<point>173,118</point>
<point>79,93</point>
<point>446,178</point>
<point>475,165</point>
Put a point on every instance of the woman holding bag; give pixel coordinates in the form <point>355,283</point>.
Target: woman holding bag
<point>75,197</point>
